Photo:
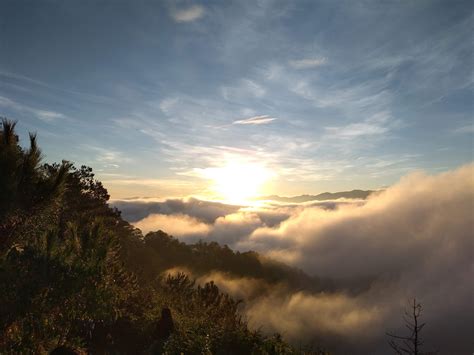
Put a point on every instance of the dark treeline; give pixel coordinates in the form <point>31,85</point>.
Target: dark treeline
<point>74,275</point>
<point>162,252</point>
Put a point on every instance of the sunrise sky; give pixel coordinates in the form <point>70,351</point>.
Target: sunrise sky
<point>178,98</point>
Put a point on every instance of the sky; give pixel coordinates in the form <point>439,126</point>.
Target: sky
<point>303,96</point>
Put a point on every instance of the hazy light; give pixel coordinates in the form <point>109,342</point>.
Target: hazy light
<point>237,182</point>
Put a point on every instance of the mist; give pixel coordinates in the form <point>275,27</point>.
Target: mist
<point>415,239</point>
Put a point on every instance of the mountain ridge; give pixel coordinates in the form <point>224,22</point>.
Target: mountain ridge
<point>353,194</point>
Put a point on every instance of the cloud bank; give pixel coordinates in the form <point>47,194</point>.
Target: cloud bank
<point>135,210</point>
<point>415,239</point>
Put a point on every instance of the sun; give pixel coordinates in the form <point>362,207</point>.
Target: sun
<point>238,182</point>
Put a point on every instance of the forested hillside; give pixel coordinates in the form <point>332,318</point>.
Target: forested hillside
<point>75,276</point>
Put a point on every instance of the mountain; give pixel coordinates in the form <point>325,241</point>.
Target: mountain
<point>354,194</point>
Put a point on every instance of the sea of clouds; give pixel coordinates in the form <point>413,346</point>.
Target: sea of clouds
<point>414,239</point>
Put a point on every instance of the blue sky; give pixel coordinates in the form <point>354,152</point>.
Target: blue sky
<point>327,95</point>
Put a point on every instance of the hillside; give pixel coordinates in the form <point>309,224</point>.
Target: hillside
<point>75,275</point>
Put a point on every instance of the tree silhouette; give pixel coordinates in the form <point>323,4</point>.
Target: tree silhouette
<point>412,343</point>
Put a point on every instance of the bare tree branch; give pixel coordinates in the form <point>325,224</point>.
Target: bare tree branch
<point>412,343</point>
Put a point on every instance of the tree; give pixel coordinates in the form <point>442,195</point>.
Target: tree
<point>412,343</point>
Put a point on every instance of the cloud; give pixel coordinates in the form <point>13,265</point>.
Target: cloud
<point>106,155</point>
<point>232,228</point>
<point>204,211</point>
<point>244,90</point>
<point>414,239</point>
<point>336,321</point>
<point>181,225</point>
<point>123,187</point>
<point>376,125</point>
<point>189,14</point>
<point>48,116</point>
<point>44,115</point>
<point>291,159</point>
<point>467,129</point>
<point>256,120</point>
<point>398,222</point>
<point>308,63</point>
<point>139,181</point>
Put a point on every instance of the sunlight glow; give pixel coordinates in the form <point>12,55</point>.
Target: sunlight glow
<point>237,182</point>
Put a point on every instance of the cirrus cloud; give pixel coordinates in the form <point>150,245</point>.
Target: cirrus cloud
<point>256,120</point>
<point>308,63</point>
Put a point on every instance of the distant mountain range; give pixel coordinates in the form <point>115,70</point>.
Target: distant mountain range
<point>354,194</point>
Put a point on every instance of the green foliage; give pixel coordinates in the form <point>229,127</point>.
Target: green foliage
<point>209,322</point>
<point>56,285</point>
<point>60,267</point>
<point>74,273</point>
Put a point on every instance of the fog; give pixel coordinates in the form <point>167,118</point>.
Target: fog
<point>415,239</point>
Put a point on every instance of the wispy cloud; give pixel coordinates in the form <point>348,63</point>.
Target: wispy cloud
<point>44,115</point>
<point>469,128</point>
<point>365,97</point>
<point>48,116</point>
<point>108,158</point>
<point>308,63</point>
<point>152,182</point>
<point>378,124</point>
<point>244,90</point>
<point>137,186</point>
<point>189,14</point>
<point>30,84</point>
<point>256,120</point>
